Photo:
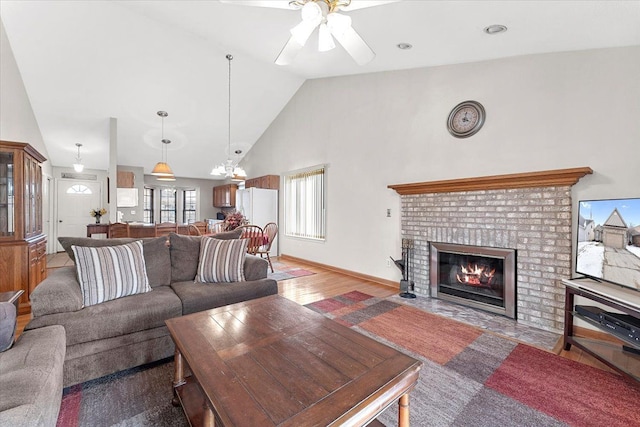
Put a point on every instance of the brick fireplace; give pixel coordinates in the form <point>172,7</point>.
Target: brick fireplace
<point>529,213</point>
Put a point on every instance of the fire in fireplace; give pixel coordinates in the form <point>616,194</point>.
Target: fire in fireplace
<point>477,276</point>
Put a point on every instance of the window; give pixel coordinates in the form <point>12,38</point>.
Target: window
<point>78,189</point>
<point>148,205</point>
<point>168,203</point>
<point>304,204</point>
<point>189,206</point>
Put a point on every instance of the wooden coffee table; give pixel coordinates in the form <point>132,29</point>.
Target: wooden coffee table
<point>272,362</point>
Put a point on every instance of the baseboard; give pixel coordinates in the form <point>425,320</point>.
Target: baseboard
<point>366,277</point>
<point>594,334</point>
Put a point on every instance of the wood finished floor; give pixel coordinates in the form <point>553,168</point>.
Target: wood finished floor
<point>326,284</point>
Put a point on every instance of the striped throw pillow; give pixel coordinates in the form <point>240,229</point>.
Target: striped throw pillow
<point>110,272</point>
<point>221,261</point>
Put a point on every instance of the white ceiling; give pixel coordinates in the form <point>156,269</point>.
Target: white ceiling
<point>83,62</point>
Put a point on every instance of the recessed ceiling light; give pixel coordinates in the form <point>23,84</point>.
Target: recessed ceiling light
<point>404,46</point>
<point>495,29</point>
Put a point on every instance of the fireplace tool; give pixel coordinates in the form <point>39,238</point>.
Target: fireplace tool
<point>403,264</point>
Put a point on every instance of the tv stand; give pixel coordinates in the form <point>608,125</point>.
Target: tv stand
<point>615,355</point>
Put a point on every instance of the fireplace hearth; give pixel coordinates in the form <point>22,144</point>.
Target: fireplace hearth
<point>477,276</point>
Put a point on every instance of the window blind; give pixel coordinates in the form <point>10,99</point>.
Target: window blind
<point>304,204</point>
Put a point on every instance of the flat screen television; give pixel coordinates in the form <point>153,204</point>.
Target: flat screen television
<point>608,242</point>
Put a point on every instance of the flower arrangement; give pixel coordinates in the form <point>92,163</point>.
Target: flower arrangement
<point>234,220</point>
<point>98,212</point>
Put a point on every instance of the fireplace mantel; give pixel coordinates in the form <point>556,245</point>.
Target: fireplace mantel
<point>551,178</point>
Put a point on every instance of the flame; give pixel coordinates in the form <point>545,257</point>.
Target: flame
<point>475,275</point>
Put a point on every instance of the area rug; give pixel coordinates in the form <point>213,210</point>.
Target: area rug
<point>470,378</point>
<point>474,378</point>
<point>283,271</point>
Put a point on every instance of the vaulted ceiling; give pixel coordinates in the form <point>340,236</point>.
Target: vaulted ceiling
<point>83,62</point>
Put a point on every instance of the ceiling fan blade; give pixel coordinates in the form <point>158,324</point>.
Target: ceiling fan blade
<point>289,52</point>
<point>361,4</point>
<point>278,4</point>
<point>340,26</point>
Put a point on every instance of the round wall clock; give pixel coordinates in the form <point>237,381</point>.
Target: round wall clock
<point>466,119</point>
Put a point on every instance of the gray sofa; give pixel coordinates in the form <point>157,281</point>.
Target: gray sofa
<point>31,378</point>
<point>130,331</point>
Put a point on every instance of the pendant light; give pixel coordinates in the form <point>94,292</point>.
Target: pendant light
<point>229,168</point>
<point>162,169</point>
<point>78,166</point>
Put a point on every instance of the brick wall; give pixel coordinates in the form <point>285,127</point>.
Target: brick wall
<point>534,221</point>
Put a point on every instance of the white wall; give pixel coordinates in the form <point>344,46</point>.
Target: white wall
<point>543,112</point>
<point>17,121</point>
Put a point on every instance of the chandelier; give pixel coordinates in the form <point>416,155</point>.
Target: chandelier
<point>162,171</point>
<point>229,168</point>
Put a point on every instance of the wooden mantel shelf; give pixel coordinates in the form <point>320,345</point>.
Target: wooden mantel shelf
<point>552,178</point>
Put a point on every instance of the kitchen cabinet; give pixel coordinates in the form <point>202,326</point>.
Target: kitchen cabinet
<point>22,242</point>
<point>224,196</point>
<point>270,182</point>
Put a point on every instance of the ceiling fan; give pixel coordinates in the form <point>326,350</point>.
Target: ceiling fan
<point>321,14</point>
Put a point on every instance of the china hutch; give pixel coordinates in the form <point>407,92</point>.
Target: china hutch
<point>23,258</point>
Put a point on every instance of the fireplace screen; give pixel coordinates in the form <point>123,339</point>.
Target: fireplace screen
<point>477,276</point>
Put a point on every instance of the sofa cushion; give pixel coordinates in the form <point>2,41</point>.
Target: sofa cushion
<point>156,254</point>
<point>221,261</point>
<point>31,377</point>
<point>58,293</point>
<point>116,317</point>
<point>185,254</point>
<point>197,296</point>
<point>7,325</point>
<point>110,272</point>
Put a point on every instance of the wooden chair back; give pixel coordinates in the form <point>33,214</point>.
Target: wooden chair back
<point>193,230</point>
<point>255,236</point>
<point>201,226</point>
<point>165,228</point>
<point>270,232</point>
<point>118,229</point>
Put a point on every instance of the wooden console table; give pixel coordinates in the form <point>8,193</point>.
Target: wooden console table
<point>621,299</point>
<point>97,229</point>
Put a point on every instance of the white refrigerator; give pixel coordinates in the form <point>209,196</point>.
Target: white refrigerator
<point>260,207</point>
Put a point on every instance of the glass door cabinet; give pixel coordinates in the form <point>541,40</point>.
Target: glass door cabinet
<point>22,242</point>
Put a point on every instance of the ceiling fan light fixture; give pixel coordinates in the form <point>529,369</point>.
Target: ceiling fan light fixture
<point>325,39</point>
<point>311,12</point>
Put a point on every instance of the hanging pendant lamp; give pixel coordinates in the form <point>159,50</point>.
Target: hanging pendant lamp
<point>78,166</point>
<point>229,168</point>
<point>162,169</point>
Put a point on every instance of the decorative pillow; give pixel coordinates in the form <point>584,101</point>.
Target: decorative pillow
<point>110,272</point>
<point>7,325</point>
<point>221,261</point>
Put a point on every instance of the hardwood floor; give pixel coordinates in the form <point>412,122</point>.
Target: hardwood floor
<point>326,284</point>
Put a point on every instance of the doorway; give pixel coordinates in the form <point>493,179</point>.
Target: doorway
<point>75,200</point>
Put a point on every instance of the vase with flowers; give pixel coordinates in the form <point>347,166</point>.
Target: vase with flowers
<point>234,220</point>
<point>97,213</point>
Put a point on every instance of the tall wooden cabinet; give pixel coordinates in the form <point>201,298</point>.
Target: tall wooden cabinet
<point>23,258</point>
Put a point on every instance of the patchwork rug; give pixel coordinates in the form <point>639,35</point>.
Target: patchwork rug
<point>474,378</point>
<point>282,271</point>
<point>469,378</point>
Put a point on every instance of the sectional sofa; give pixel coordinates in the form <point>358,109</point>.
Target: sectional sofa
<point>130,331</point>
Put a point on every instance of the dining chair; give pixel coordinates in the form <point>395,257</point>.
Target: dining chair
<point>255,236</point>
<point>218,227</point>
<point>193,230</point>
<point>118,229</point>
<point>270,232</point>
<point>201,226</point>
<point>165,228</point>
